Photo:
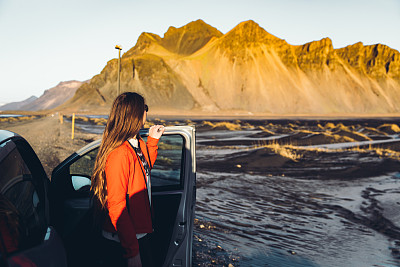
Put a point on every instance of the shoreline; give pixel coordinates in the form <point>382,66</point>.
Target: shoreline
<point>223,115</point>
<point>274,117</point>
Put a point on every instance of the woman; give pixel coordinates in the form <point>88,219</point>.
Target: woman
<point>121,181</point>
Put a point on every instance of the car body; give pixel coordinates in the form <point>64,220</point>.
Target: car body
<point>56,218</point>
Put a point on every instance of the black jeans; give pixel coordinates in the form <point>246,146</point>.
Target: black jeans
<point>145,251</point>
<point>111,253</point>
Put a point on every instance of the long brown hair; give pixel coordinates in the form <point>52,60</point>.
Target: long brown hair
<point>124,122</point>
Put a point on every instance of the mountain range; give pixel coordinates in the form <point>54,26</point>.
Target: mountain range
<point>18,105</point>
<point>196,68</point>
<point>50,99</point>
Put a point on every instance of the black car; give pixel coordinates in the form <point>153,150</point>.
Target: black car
<point>50,222</point>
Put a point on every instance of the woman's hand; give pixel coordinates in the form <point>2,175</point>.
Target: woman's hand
<point>135,261</point>
<point>156,131</point>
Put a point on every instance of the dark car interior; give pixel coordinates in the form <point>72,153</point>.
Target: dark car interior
<point>22,204</point>
<point>23,209</point>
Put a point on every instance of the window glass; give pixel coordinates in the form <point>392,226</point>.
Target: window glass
<point>22,219</point>
<point>85,164</point>
<point>167,168</point>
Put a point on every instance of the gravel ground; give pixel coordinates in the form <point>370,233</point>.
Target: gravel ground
<point>50,139</point>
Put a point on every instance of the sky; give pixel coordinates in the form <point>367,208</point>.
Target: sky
<point>44,42</point>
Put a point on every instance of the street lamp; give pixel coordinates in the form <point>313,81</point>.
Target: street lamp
<point>119,67</point>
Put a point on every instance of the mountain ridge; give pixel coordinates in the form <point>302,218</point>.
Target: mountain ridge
<point>18,104</point>
<point>197,68</point>
<point>51,98</point>
<point>55,96</point>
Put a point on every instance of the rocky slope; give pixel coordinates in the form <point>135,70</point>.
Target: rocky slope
<point>198,68</point>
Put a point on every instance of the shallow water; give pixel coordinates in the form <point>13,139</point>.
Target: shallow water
<point>284,221</point>
<point>292,215</point>
<point>354,144</point>
<point>10,115</point>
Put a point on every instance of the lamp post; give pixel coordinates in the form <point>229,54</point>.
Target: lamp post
<point>119,67</point>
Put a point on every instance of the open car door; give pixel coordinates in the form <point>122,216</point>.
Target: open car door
<point>26,239</point>
<point>173,180</point>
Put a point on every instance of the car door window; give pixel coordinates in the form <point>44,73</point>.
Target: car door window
<point>85,164</point>
<point>167,170</point>
<point>81,170</point>
<point>22,214</point>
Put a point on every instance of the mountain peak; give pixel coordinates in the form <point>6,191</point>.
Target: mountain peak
<point>248,32</point>
<point>189,38</point>
<point>377,60</point>
<point>71,83</point>
<point>193,26</point>
<point>248,24</point>
<point>197,24</point>
<point>323,44</point>
<point>144,41</point>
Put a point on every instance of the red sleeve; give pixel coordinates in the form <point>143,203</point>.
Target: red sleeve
<point>152,147</point>
<point>117,174</point>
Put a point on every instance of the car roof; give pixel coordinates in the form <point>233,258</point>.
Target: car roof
<point>4,135</point>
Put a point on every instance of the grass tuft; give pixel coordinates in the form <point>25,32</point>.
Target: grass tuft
<point>287,151</point>
<point>391,127</point>
<point>223,125</point>
<point>266,130</point>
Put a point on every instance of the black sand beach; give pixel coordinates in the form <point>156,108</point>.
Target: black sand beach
<point>277,192</point>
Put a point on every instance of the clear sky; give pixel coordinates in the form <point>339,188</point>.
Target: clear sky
<point>44,42</point>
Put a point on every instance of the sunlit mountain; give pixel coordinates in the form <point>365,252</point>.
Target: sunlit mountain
<point>197,68</point>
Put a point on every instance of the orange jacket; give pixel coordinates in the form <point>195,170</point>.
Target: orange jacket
<point>122,166</point>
